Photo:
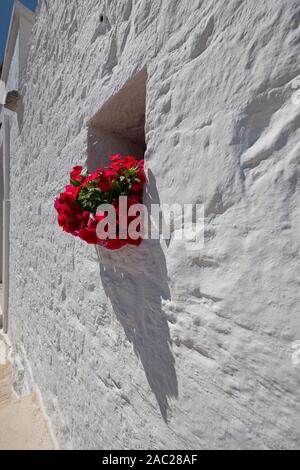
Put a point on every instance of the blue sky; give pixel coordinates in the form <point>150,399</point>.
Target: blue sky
<point>5,14</point>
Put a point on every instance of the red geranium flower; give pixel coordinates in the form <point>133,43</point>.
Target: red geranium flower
<point>76,176</point>
<point>77,206</point>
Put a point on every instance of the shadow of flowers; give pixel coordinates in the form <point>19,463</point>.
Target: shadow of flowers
<point>136,281</point>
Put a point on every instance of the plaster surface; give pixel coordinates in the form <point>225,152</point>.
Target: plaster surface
<point>158,347</point>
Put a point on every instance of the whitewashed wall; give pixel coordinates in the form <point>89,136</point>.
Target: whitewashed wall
<point>159,347</point>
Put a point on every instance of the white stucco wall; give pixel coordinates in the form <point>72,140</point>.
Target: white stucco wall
<point>13,79</point>
<point>158,347</point>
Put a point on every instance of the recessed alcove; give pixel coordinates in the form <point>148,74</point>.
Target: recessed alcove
<point>119,125</point>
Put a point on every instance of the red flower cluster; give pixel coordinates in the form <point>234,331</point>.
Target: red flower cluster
<point>77,206</point>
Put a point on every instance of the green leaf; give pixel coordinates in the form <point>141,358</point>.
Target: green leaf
<point>116,187</point>
<point>75,183</point>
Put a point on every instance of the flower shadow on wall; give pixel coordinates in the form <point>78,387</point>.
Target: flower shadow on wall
<point>136,281</point>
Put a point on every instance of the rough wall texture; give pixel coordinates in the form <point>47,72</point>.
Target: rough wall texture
<point>159,347</point>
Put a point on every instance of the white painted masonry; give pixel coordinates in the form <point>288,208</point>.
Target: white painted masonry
<point>13,77</point>
<point>157,347</point>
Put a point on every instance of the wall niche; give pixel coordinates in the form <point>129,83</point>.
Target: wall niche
<point>119,125</point>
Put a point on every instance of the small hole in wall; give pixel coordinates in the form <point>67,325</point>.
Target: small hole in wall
<point>119,125</point>
<point>101,18</point>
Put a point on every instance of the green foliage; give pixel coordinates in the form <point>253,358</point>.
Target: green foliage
<point>91,196</point>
